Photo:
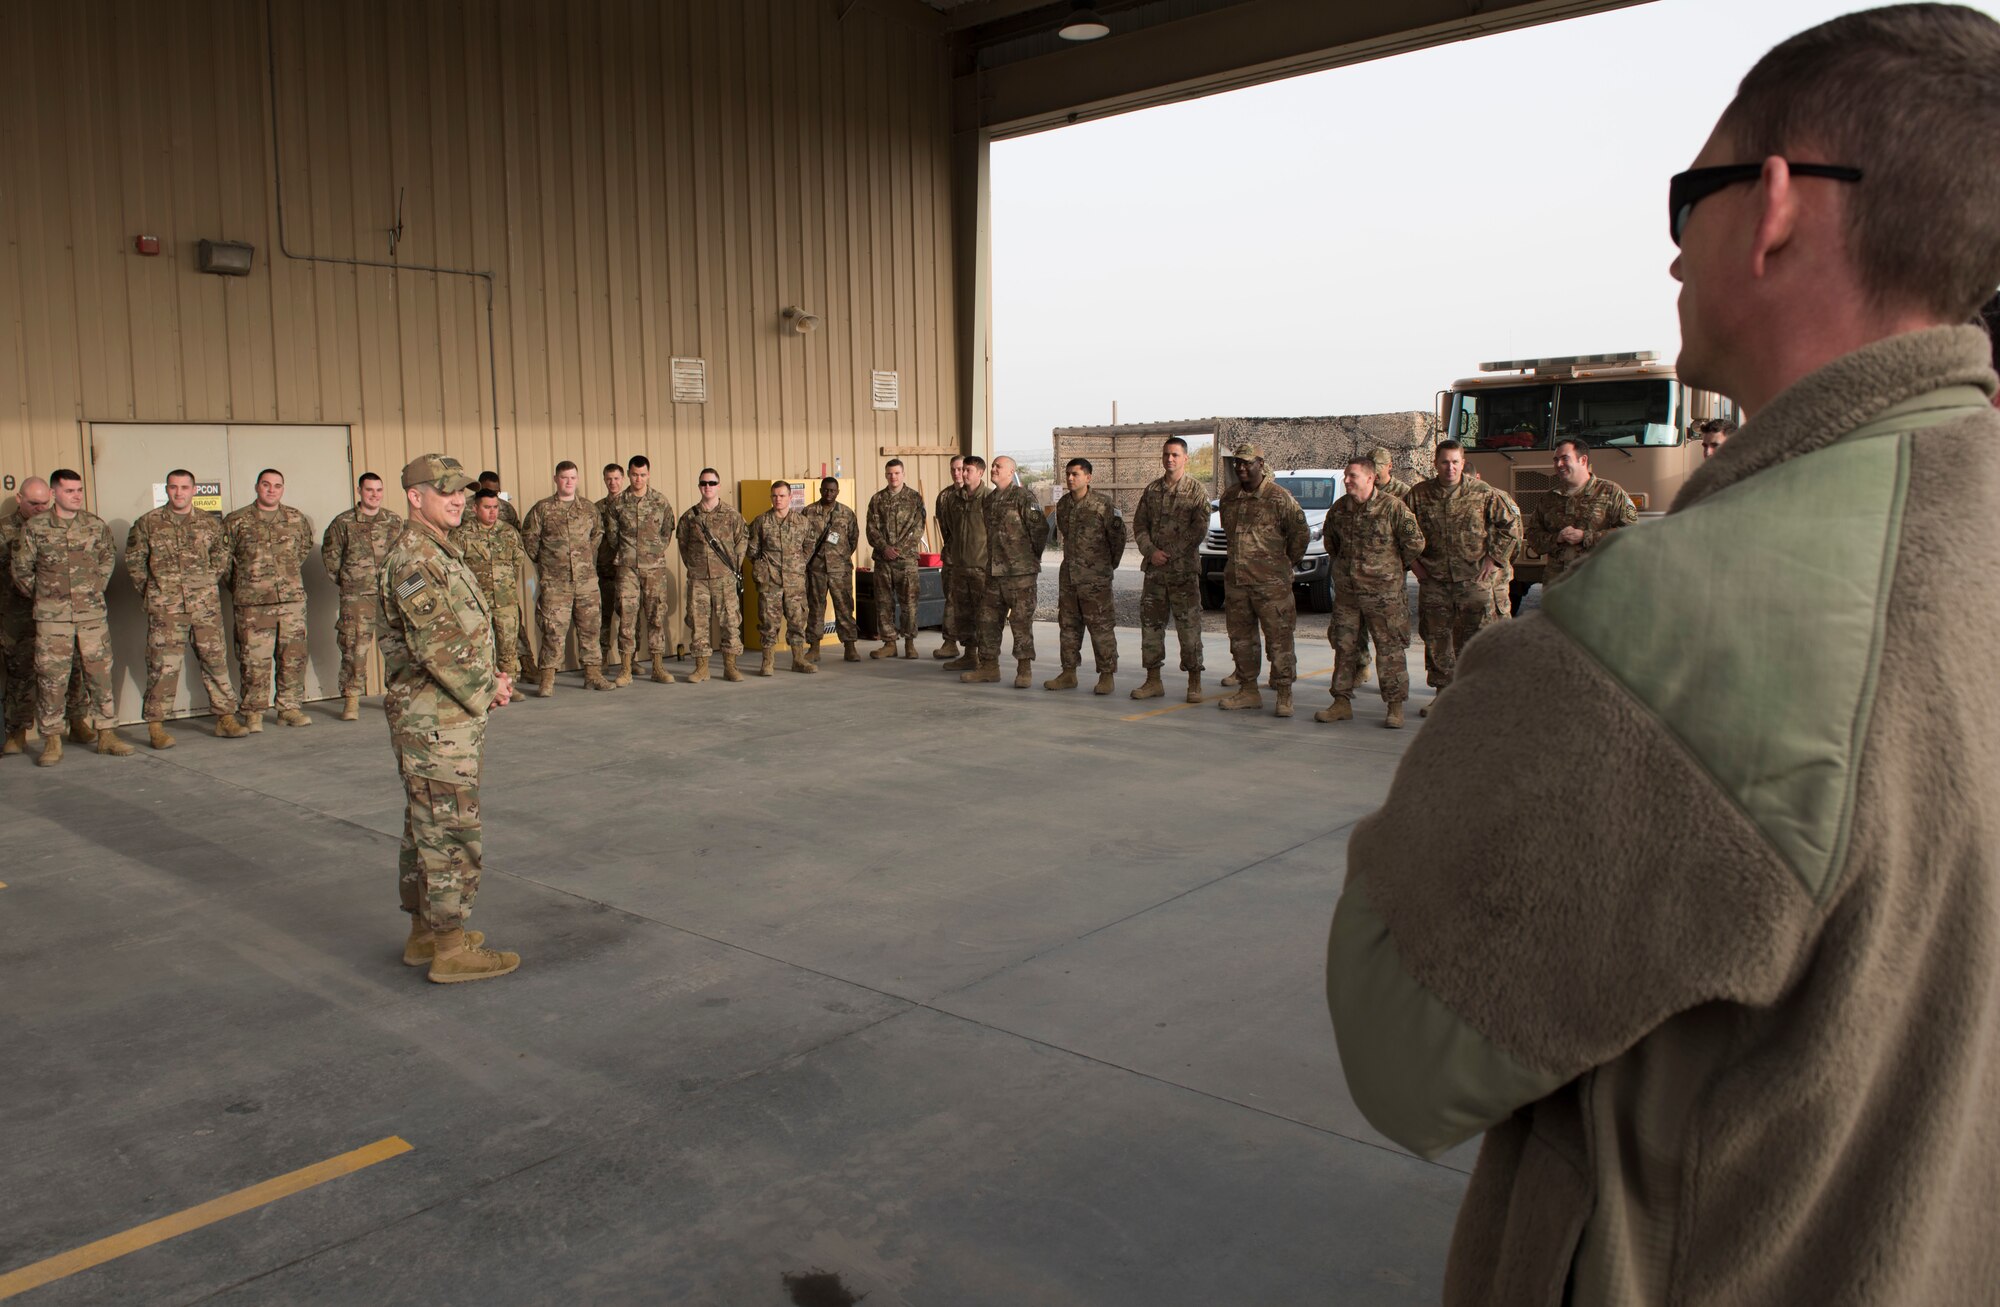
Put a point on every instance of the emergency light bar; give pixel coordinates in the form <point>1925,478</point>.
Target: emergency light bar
<point>1574,361</point>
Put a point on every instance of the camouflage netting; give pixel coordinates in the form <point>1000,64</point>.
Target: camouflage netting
<point>1331,441</point>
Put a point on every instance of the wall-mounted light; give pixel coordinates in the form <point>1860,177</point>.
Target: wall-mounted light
<point>799,322</point>
<point>1083,24</point>
<point>226,258</point>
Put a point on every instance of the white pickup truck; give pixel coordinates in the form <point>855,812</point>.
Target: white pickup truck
<point>1316,489</point>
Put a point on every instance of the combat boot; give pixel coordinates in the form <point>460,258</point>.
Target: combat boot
<point>700,672</point>
<point>1230,681</point>
<point>848,653</point>
<point>1340,710</point>
<point>81,731</point>
<point>547,685</point>
<point>51,750</point>
<point>1246,696</point>
<point>949,649</point>
<point>729,672</point>
<point>350,707</point>
<point>1194,687</point>
<point>253,723</point>
<point>1394,721</point>
<point>910,647</point>
<point>888,650</point>
<point>965,662</point>
<point>421,947</point>
<point>660,672</point>
<point>1284,701</point>
<point>295,717</point>
<point>770,661</point>
<point>156,735</point>
<point>801,660</point>
<point>1024,673</point>
<point>1066,680</point>
<point>985,671</point>
<point>17,740</point>
<point>108,742</point>
<point>1104,683</point>
<point>455,958</point>
<point>1150,688</point>
<point>593,676</point>
<point>624,676</point>
<point>228,728</point>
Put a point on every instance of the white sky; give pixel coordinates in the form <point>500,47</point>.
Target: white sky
<point>1353,240</point>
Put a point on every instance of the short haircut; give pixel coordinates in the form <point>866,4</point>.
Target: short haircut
<point>824,482</point>
<point>1577,446</point>
<point>785,486</point>
<point>974,460</point>
<point>1083,463</point>
<point>486,492</point>
<point>565,466</point>
<point>489,476</point>
<point>708,472</point>
<point>1361,460</point>
<point>1717,427</point>
<point>180,472</point>
<point>366,477</point>
<point>1446,446</point>
<point>1907,94</point>
<point>637,461</point>
<point>619,468</point>
<point>1176,440</point>
<point>894,462</point>
<point>271,472</point>
<point>958,460</point>
<point>63,475</point>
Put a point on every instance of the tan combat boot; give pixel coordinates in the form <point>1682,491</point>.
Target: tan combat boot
<point>1024,673</point>
<point>1194,687</point>
<point>1065,680</point>
<point>660,672</point>
<point>456,958</point>
<point>700,672</point>
<point>295,717</point>
<point>848,653</point>
<point>888,650</point>
<point>547,685</point>
<point>350,707</point>
<point>1246,696</point>
<point>1284,701</point>
<point>769,663</point>
<point>1230,681</point>
<point>1104,683</point>
<point>965,662</point>
<point>253,723</point>
<point>228,728</point>
<point>593,676</point>
<point>625,668</point>
<point>81,731</point>
<point>17,740</point>
<point>51,750</point>
<point>421,947</point>
<point>1150,688</point>
<point>985,671</point>
<point>949,649</point>
<point>729,672</point>
<point>1394,721</point>
<point>802,659</point>
<point>910,647</point>
<point>156,735</point>
<point>1340,710</point>
<point>109,743</point>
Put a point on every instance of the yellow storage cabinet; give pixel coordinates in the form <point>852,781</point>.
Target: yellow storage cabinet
<point>753,498</point>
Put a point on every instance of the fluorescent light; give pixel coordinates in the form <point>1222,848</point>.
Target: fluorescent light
<point>1083,24</point>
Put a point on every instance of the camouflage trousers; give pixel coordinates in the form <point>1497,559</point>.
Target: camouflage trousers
<point>714,599</point>
<point>1363,660</point>
<point>268,634</point>
<point>1267,607</point>
<point>837,581</point>
<point>781,603</point>
<point>969,588</point>
<point>60,648</point>
<point>1176,593</point>
<point>437,870</point>
<point>556,607</point>
<point>17,655</point>
<point>948,577</point>
<point>608,612</point>
<point>1361,617</point>
<point>1009,600</point>
<point>1086,602</point>
<point>359,626</point>
<point>167,637</point>
<point>646,592</point>
<point>1448,614</point>
<point>507,639</point>
<point>895,583</point>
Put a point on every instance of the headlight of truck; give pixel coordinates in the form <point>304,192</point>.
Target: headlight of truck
<point>1319,532</point>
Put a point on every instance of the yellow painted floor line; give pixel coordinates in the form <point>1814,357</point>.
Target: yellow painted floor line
<point>208,1213</point>
<point>1176,707</point>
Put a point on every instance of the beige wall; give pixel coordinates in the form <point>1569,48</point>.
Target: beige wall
<point>644,179</point>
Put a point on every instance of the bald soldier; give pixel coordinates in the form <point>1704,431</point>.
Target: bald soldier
<point>176,556</point>
<point>561,536</point>
<point>63,561</point>
<point>1016,533</point>
<point>1267,536</point>
<point>269,542</point>
<point>355,544</point>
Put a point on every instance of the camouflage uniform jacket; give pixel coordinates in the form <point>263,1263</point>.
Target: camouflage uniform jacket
<point>177,560</point>
<point>779,545</point>
<point>944,512</point>
<point>726,525</point>
<point>266,553</point>
<point>1017,530</point>
<point>496,560</point>
<point>355,546</point>
<point>840,521</point>
<point>12,602</point>
<point>1596,509</point>
<point>607,543</point>
<point>65,566</point>
<point>1267,534</point>
<point>641,529</point>
<point>1372,544</point>
<point>1172,519</point>
<point>1464,526</point>
<point>1395,485</point>
<point>561,541</point>
<point>437,657</point>
<point>1093,535</point>
<point>896,521</point>
<point>968,527</point>
<point>508,514</point>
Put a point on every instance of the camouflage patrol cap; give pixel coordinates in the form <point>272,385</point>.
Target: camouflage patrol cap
<point>1248,454</point>
<point>1381,457</point>
<point>439,471</point>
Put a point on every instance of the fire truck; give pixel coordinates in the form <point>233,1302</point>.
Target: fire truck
<point>1633,412</point>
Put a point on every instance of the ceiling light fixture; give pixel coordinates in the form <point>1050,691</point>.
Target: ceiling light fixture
<point>1083,24</point>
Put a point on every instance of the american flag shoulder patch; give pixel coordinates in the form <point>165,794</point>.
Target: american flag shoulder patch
<point>412,583</point>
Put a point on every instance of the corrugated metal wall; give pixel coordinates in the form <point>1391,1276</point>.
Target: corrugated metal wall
<point>644,179</point>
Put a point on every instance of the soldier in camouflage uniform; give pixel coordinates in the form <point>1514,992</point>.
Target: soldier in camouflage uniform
<point>491,481</point>
<point>525,655</point>
<point>830,568</point>
<point>1267,536</point>
<point>17,616</point>
<point>1384,464</point>
<point>269,542</point>
<point>438,662</point>
<point>896,534</point>
<point>712,538</point>
<point>62,560</point>
<point>1567,525</point>
<point>642,529</point>
<point>492,551</point>
<point>970,581</point>
<point>607,568</point>
<point>1171,520</point>
<point>1093,541</point>
<point>1016,533</point>
<point>1373,539</point>
<point>353,548</point>
<point>780,539</point>
<point>175,556</point>
<point>561,538</point>
<point>1470,533</point>
<point>944,512</point>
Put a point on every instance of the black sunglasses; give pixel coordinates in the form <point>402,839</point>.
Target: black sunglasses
<point>1687,189</point>
<point>709,483</point>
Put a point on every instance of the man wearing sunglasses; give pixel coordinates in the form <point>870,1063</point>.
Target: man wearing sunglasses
<point>1728,1024</point>
<point>712,538</point>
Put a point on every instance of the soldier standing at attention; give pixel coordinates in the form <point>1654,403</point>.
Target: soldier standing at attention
<point>1470,534</point>
<point>491,481</point>
<point>269,542</point>
<point>63,561</point>
<point>945,514</point>
<point>830,568</point>
<point>968,535</point>
<point>561,538</point>
<point>1374,539</point>
<point>1169,525</point>
<point>355,544</point>
<point>176,557</point>
<point>712,538</point>
<point>607,568</point>
<point>1016,533</point>
<point>438,655</point>
<point>1384,464</point>
<point>895,533</point>
<point>1267,537</point>
<point>17,616</point>
<point>642,528</point>
<point>1568,524</point>
<point>1093,540</point>
<point>492,551</point>
<point>779,542</point>
<point>526,654</point>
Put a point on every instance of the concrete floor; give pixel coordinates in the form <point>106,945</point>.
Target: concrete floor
<point>958,994</point>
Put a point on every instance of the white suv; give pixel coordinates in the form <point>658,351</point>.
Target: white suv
<point>1316,489</point>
